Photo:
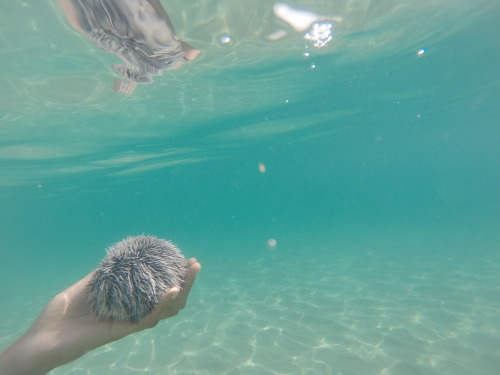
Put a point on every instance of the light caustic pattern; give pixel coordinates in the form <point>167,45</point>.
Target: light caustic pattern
<point>339,311</point>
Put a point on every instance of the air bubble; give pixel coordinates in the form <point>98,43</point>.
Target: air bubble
<point>225,39</point>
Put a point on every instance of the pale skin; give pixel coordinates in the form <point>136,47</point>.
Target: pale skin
<point>67,329</point>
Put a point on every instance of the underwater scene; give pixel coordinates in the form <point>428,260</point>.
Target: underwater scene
<point>333,165</point>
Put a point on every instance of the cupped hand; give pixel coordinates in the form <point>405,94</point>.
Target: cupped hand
<point>67,328</point>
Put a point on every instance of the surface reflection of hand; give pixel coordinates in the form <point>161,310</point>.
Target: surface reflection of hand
<point>138,31</point>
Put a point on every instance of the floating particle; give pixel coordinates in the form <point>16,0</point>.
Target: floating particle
<point>262,168</point>
<point>272,242</point>
<point>421,51</point>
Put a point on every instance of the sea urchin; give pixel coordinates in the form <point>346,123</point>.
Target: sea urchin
<point>133,276</point>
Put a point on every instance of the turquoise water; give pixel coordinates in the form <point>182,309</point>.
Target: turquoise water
<point>373,167</point>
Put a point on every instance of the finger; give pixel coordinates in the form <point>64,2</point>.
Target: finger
<point>164,305</point>
<point>175,299</point>
<point>190,262</point>
<point>191,273</point>
<point>168,298</point>
<point>189,279</point>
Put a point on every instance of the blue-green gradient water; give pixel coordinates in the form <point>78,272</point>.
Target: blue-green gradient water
<point>372,168</point>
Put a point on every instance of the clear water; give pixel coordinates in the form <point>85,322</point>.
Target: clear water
<point>381,186</point>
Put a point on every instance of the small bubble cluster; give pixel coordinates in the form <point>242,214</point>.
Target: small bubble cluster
<point>320,34</point>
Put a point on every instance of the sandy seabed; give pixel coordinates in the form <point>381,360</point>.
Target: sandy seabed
<point>343,311</point>
<point>378,309</point>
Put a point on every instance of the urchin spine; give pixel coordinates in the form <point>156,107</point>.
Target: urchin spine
<point>133,276</point>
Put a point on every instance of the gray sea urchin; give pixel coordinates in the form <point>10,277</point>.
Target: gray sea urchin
<point>133,276</point>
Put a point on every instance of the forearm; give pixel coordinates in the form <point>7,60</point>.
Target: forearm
<point>26,357</point>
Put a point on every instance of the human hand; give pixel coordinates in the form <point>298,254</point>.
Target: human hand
<point>67,328</point>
